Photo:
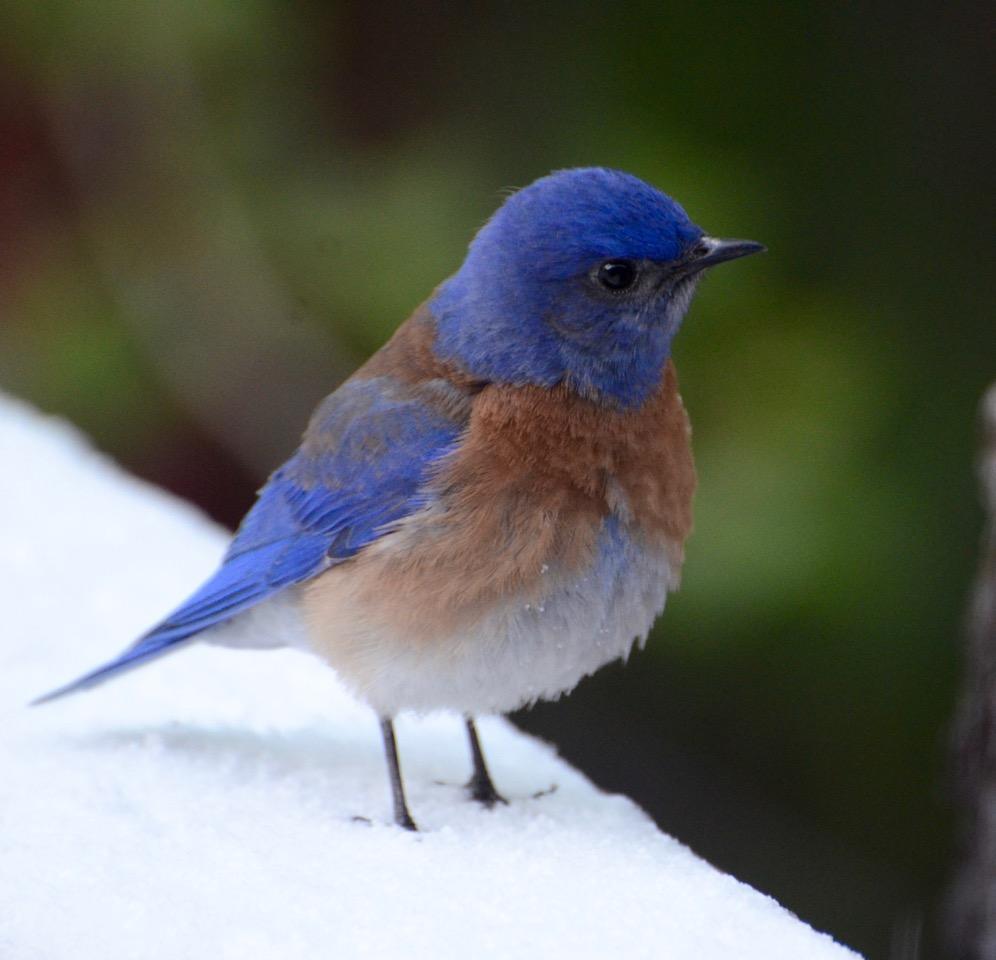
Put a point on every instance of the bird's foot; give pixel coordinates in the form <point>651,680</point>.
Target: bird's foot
<point>482,790</point>
<point>406,823</point>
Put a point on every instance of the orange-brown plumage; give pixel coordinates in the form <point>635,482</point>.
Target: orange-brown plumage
<point>555,440</point>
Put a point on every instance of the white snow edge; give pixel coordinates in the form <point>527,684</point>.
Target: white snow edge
<point>204,806</point>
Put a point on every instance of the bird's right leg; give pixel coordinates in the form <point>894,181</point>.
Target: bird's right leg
<point>481,787</point>
<point>401,815</point>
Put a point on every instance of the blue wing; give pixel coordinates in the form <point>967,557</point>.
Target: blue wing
<point>360,469</point>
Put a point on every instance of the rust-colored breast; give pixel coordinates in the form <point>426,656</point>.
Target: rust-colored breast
<point>552,447</point>
<point>571,451</point>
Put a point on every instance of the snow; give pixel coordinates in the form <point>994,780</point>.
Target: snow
<point>210,804</point>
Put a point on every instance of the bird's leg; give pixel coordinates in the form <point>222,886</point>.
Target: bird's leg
<point>481,787</point>
<point>401,815</point>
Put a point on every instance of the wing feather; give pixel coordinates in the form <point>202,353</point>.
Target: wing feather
<point>360,469</point>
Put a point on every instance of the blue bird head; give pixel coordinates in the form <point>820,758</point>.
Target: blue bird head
<point>583,277</point>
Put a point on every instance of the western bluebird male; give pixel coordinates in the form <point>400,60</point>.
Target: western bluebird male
<point>496,503</point>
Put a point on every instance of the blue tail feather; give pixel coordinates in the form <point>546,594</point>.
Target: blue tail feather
<point>149,648</point>
<point>235,587</point>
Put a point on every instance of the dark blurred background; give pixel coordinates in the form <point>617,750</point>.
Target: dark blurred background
<point>211,210</point>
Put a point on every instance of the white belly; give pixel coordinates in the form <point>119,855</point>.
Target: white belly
<point>517,651</point>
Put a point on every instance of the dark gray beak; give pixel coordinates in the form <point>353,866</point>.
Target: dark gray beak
<point>709,251</point>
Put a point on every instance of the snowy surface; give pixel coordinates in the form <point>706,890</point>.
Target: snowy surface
<point>205,805</point>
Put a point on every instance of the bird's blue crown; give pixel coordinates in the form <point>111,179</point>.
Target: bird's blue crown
<point>543,296</point>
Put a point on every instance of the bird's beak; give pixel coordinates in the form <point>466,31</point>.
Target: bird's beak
<point>710,250</point>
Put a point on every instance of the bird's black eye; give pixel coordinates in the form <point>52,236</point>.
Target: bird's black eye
<point>616,275</point>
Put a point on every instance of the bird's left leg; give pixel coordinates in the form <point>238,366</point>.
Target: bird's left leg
<point>401,815</point>
<point>480,786</point>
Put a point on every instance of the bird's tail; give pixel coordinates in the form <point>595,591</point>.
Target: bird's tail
<point>150,647</point>
<point>240,582</point>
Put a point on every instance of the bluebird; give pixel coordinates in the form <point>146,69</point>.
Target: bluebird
<point>495,505</point>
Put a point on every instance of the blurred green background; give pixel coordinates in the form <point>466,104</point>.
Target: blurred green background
<point>211,211</point>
